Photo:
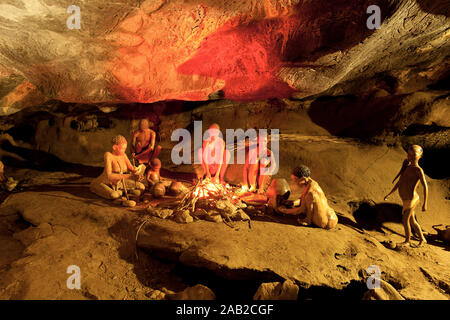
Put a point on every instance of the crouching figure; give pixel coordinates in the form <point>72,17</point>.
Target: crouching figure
<point>118,171</point>
<point>312,201</point>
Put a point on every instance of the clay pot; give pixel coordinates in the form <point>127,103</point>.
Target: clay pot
<point>129,203</point>
<point>159,190</point>
<point>176,188</point>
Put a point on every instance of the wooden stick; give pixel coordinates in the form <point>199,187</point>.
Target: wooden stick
<point>134,166</point>
<point>124,186</point>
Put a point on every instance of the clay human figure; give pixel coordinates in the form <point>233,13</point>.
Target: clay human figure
<point>312,201</point>
<point>214,156</point>
<point>253,172</point>
<point>109,184</point>
<point>143,143</point>
<point>2,172</point>
<point>410,176</point>
<point>153,172</point>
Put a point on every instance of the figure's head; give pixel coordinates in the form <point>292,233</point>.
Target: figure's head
<point>156,164</point>
<point>214,130</point>
<point>415,152</point>
<point>119,144</point>
<point>144,124</point>
<point>301,174</point>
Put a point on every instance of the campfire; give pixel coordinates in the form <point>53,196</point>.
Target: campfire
<point>207,190</point>
<point>209,201</point>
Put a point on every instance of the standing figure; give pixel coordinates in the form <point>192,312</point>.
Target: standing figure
<point>255,166</point>
<point>214,156</point>
<point>312,201</point>
<point>410,174</point>
<point>143,143</point>
<point>110,183</point>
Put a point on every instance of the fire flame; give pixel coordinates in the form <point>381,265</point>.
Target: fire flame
<point>208,189</point>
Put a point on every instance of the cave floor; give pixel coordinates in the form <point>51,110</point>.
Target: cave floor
<point>53,221</point>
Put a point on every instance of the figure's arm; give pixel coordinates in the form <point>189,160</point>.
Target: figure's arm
<point>205,160</point>
<point>425,190</point>
<point>152,139</point>
<point>133,143</point>
<point>295,210</point>
<point>290,211</point>
<point>129,165</point>
<point>404,165</point>
<point>392,191</point>
<point>222,152</point>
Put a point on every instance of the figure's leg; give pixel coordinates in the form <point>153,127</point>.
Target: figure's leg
<point>143,157</point>
<point>223,169</point>
<point>406,216</point>
<point>104,191</point>
<point>134,185</point>
<point>263,180</point>
<point>155,153</point>
<point>332,219</point>
<point>417,227</point>
<point>309,215</point>
<point>245,177</point>
<point>200,158</point>
<point>252,175</point>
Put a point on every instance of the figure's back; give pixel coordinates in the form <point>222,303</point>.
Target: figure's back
<point>316,197</point>
<point>320,205</point>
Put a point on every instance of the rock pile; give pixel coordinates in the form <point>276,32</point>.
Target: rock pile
<point>205,201</point>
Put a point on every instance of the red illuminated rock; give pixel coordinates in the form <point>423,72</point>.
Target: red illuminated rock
<point>191,50</point>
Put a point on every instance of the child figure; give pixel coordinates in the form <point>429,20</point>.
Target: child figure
<point>153,172</point>
<point>410,175</point>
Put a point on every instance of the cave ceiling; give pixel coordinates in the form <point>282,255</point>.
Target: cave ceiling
<point>195,50</point>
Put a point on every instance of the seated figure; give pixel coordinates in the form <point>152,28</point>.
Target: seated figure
<point>110,183</point>
<point>153,172</point>
<point>312,202</point>
<point>143,143</point>
<point>254,166</point>
<point>214,156</point>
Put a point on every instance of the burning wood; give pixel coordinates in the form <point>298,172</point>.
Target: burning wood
<point>209,201</point>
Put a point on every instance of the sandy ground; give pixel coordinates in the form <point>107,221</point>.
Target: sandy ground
<point>53,221</point>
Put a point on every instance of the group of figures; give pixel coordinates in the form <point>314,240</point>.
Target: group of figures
<point>314,203</point>
<point>121,175</point>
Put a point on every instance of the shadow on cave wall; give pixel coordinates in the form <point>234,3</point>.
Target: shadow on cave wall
<point>44,161</point>
<point>435,141</point>
<point>355,117</point>
<point>435,163</point>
